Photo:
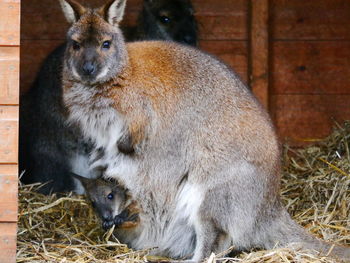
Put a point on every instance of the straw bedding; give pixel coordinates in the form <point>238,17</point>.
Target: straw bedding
<point>315,189</point>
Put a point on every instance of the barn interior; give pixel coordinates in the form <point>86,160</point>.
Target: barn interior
<point>292,54</point>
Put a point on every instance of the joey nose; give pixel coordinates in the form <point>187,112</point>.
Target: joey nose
<point>88,68</point>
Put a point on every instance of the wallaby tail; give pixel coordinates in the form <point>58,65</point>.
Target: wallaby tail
<point>284,232</point>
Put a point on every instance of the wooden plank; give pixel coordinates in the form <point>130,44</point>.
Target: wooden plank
<point>220,7</point>
<point>311,67</point>
<point>222,27</point>
<point>8,242</point>
<point>301,117</point>
<point>9,22</point>
<point>233,53</point>
<point>9,191</point>
<point>322,19</point>
<point>259,51</point>
<point>9,75</point>
<point>221,20</point>
<point>8,134</point>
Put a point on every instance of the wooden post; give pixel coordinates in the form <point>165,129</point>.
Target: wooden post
<point>9,104</point>
<point>259,50</point>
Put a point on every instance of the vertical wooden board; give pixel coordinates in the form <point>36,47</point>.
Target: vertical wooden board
<point>311,67</point>
<point>233,53</point>
<point>9,22</point>
<point>9,191</point>
<point>8,242</point>
<point>8,134</point>
<point>304,117</point>
<point>316,20</point>
<point>259,51</point>
<point>9,75</point>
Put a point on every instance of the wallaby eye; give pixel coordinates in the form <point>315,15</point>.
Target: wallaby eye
<point>164,19</point>
<point>110,196</point>
<point>76,45</point>
<point>106,44</point>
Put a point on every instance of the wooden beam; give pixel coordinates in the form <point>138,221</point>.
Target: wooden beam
<point>259,50</point>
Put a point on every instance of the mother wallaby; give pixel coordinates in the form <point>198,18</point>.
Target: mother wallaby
<point>183,134</point>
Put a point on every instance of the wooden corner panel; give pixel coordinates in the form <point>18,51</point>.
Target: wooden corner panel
<point>9,193</point>
<point>8,134</point>
<point>9,22</point>
<point>9,75</point>
<point>8,242</point>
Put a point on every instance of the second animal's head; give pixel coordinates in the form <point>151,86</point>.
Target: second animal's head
<point>168,19</point>
<point>95,46</point>
<point>108,199</point>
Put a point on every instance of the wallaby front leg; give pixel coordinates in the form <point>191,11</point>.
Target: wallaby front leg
<point>124,169</point>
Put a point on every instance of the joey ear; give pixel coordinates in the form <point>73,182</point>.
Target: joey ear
<point>72,10</point>
<point>86,182</point>
<point>113,11</point>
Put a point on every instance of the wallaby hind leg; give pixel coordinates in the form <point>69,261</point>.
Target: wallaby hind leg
<point>233,206</point>
<point>207,238</point>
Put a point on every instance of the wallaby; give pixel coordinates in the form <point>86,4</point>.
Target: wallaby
<point>49,148</point>
<point>111,202</point>
<point>180,131</point>
<point>167,20</point>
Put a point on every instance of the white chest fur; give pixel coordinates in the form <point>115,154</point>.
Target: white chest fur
<point>100,122</point>
<point>94,113</point>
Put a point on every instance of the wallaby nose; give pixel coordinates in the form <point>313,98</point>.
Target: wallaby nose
<point>189,40</point>
<point>88,68</point>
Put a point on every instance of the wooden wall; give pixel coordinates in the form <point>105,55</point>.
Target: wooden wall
<point>293,53</point>
<point>310,65</point>
<point>9,93</point>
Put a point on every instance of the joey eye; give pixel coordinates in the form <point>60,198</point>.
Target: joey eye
<point>110,196</point>
<point>164,19</point>
<point>76,45</point>
<point>106,44</point>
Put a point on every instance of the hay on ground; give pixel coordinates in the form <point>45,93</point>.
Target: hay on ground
<point>315,189</point>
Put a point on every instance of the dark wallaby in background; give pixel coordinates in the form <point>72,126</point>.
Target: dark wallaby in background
<point>166,20</point>
<point>49,148</point>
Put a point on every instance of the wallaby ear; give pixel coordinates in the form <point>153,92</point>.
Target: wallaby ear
<point>72,10</point>
<point>84,181</point>
<point>113,11</point>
